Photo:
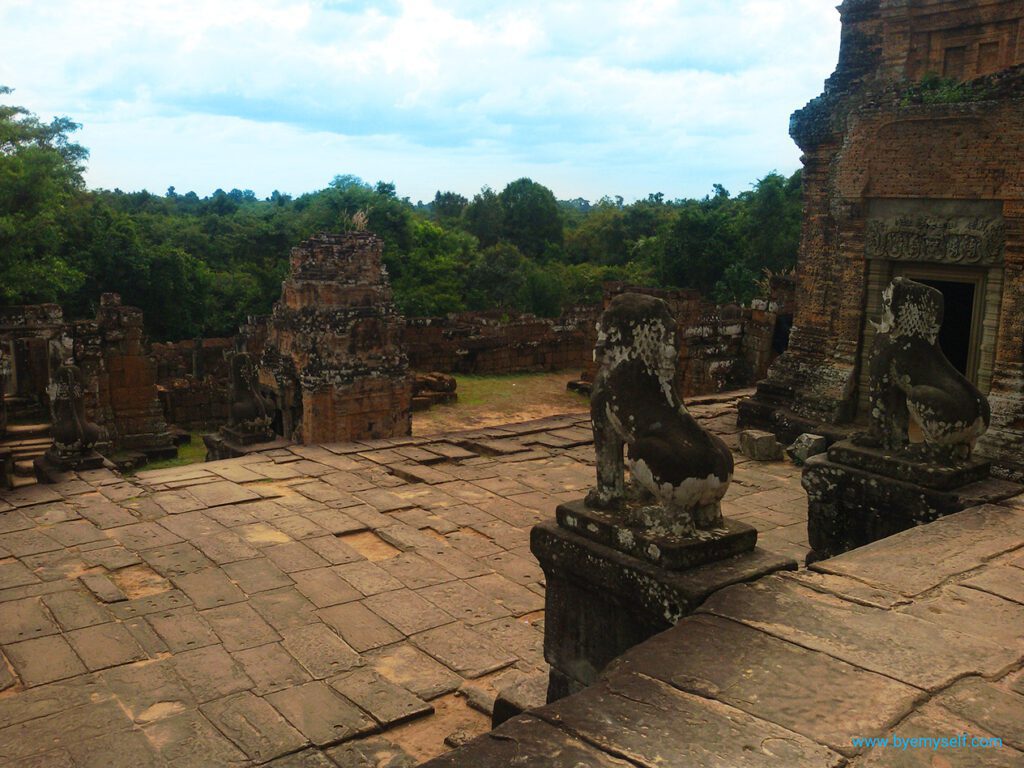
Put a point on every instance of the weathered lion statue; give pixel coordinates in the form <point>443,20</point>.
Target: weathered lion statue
<point>635,403</point>
<point>73,433</point>
<point>910,377</point>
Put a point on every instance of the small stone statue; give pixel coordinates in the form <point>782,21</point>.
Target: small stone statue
<point>909,376</point>
<point>248,410</point>
<point>634,403</point>
<point>73,434</point>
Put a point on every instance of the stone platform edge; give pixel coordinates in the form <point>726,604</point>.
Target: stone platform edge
<point>921,632</point>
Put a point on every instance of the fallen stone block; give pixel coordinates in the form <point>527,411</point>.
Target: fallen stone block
<point>760,446</point>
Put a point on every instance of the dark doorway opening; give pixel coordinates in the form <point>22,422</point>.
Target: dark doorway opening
<point>955,334</point>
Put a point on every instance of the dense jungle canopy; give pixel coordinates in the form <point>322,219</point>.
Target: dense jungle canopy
<point>200,265</point>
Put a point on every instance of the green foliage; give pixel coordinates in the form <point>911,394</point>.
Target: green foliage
<point>200,266</point>
<point>934,89</point>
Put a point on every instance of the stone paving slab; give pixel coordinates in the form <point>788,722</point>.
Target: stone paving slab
<point>204,599</point>
<point>855,649</point>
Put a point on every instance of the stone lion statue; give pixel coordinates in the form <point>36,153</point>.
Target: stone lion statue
<point>73,433</point>
<point>635,404</point>
<point>910,377</point>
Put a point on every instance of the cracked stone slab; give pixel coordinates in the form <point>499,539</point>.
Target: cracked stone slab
<point>639,718</point>
<point>319,650</point>
<point>322,714</point>
<point>105,645</point>
<point>254,726</point>
<point>271,668</point>
<point>805,691</point>
<point>462,650</point>
<point>387,703</point>
<point>190,739</point>
<point>899,645</point>
<point>406,665</point>
<point>993,709</point>
<point>916,560</point>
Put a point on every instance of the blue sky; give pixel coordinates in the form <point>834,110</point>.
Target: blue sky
<point>590,98</point>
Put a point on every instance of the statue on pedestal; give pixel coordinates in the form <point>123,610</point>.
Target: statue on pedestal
<point>910,377</point>
<point>73,434</point>
<point>670,513</point>
<point>248,421</point>
<point>879,483</point>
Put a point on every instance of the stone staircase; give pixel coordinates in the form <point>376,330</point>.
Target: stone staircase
<point>25,440</point>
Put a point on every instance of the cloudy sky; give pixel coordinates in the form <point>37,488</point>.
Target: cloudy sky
<point>591,98</point>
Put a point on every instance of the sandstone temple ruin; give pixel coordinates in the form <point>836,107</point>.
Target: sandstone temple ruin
<point>913,167</point>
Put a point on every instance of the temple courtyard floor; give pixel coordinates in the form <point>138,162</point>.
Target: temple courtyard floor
<point>351,604</point>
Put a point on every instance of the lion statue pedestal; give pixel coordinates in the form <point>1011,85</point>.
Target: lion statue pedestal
<point>73,434</point>
<point>634,557</point>
<point>670,511</point>
<point>879,482</point>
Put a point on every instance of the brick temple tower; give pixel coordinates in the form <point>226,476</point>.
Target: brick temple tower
<point>333,364</point>
<point>914,166</point>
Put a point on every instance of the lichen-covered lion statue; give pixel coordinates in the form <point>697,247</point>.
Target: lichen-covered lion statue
<point>635,404</point>
<point>910,377</point>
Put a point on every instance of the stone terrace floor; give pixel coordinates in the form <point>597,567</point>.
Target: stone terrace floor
<point>348,605</point>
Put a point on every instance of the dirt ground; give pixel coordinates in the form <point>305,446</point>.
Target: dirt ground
<point>487,401</point>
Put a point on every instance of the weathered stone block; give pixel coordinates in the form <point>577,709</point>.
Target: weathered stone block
<point>805,446</point>
<point>760,446</point>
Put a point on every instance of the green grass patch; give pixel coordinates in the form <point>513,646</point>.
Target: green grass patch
<point>191,453</point>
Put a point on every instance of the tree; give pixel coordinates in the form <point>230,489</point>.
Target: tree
<point>448,206</point>
<point>531,221</point>
<point>40,176</point>
<point>485,217</point>
<point>497,278</point>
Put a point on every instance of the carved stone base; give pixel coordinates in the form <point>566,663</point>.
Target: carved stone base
<point>219,446</point>
<point>600,601</point>
<point>859,495</point>
<point>670,552</point>
<point>51,465</point>
<point>247,437</point>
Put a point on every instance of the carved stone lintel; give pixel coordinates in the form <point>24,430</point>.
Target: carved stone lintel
<point>959,240</point>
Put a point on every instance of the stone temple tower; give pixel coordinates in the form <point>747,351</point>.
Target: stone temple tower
<point>333,364</point>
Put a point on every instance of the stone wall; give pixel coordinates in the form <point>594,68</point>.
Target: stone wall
<point>901,179</point>
<point>25,336</point>
<point>197,358</point>
<point>491,343</point>
<point>333,363</point>
<point>722,347</point>
<point>193,381</point>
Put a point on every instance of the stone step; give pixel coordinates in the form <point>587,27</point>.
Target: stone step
<point>20,482</point>
<point>24,468</point>
<point>27,431</point>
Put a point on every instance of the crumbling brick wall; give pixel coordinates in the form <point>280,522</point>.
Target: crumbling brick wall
<point>492,343</point>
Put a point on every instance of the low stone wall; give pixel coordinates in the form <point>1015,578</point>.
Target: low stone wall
<point>198,358</point>
<point>195,404</point>
<point>722,347</point>
<point>492,343</point>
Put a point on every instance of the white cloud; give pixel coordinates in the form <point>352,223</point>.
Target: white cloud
<point>590,98</point>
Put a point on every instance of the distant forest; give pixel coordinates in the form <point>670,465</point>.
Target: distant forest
<point>200,265</point>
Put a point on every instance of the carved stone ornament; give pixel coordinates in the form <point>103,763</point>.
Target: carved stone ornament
<point>967,241</point>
